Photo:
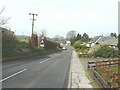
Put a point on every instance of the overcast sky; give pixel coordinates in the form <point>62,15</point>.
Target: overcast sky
<point>57,17</point>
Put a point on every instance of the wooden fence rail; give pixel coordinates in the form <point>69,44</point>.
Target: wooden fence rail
<point>103,62</point>
<point>98,78</point>
<point>92,66</point>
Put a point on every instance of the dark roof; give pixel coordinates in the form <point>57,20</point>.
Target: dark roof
<point>108,41</point>
<point>104,40</point>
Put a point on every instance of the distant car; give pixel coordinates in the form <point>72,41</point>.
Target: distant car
<point>64,47</point>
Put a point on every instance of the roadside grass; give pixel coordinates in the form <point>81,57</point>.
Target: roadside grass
<point>92,80</point>
<point>115,68</point>
<point>109,76</point>
<point>18,53</point>
<point>89,74</point>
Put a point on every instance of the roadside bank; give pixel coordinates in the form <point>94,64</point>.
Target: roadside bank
<point>8,56</point>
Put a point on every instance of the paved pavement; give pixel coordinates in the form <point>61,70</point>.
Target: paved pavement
<point>77,76</point>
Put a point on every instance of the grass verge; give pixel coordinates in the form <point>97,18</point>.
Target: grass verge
<point>8,55</point>
<point>92,80</point>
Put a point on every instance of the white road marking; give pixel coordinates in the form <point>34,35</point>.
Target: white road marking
<point>45,60</point>
<point>13,75</point>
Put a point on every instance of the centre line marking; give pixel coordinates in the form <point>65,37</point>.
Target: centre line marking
<point>45,60</point>
<point>13,75</point>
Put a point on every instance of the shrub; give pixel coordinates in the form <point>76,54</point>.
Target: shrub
<point>77,44</point>
<point>102,51</point>
<point>119,42</point>
<point>8,41</point>
<point>81,48</point>
<point>21,44</point>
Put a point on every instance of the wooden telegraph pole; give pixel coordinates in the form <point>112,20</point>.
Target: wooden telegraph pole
<point>33,19</point>
<point>33,38</point>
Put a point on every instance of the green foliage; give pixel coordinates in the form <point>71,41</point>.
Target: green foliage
<point>119,42</point>
<point>25,53</point>
<point>8,40</point>
<point>77,44</point>
<point>21,44</point>
<point>102,51</point>
<point>78,37</point>
<point>82,38</point>
<point>85,38</point>
<point>84,50</point>
<point>113,35</point>
<point>94,49</point>
<point>109,74</point>
<point>72,40</point>
<point>22,38</point>
<point>81,48</point>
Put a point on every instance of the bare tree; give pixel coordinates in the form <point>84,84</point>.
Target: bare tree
<point>71,34</point>
<point>3,19</point>
<point>57,38</point>
<point>43,32</point>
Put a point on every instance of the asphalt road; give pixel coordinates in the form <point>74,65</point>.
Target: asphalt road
<point>50,71</point>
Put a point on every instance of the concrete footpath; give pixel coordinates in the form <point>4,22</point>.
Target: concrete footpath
<point>77,76</point>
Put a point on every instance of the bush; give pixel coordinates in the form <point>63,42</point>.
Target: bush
<point>102,51</point>
<point>119,42</point>
<point>8,39</point>
<point>21,44</point>
<point>77,44</point>
<point>81,48</point>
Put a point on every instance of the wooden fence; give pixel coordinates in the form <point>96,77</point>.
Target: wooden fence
<point>103,62</point>
<point>92,65</point>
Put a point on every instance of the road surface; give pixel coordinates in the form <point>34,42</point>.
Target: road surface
<point>47,72</point>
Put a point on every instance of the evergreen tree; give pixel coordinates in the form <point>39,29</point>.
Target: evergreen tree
<point>72,40</point>
<point>85,38</point>
<point>115,35</point>
<point>78,37</point>
<point>112,34</point>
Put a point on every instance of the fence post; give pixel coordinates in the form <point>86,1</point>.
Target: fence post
<point>109,63</point>
<point>88,64</point>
